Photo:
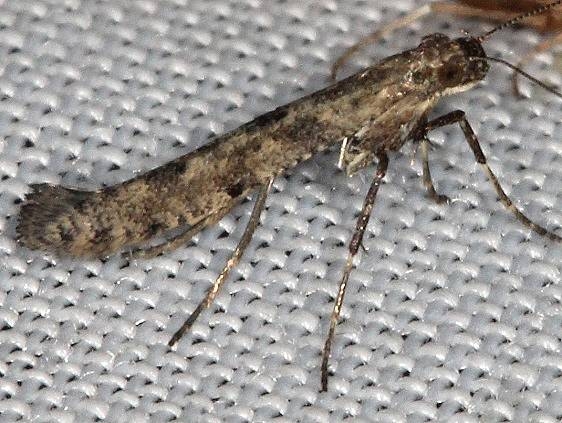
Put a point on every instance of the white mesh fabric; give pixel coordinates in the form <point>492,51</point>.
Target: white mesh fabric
<point>452,314</point>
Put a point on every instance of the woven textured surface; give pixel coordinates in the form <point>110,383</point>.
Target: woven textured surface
<point>453,313</point>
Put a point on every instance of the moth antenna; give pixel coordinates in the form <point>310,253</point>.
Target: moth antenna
<point>511,22</point>
<point>525,74</point>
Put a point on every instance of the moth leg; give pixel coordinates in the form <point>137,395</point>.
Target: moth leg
<point>467,11</point>
<point>458,116</point>
<point>352,159</point>
<point>427,181</point>
<point>354,246</point>
<point>377,35</point>
<point>543,46</point>
<point>233,261</point>
<point>178,240</point>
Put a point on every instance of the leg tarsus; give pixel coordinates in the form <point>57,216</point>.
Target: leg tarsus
<point>354,245</point>
<point>234,259</point>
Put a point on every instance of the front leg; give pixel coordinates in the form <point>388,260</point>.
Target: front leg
<point>458,116</point>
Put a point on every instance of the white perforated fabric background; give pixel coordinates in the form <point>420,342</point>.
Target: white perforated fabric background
<point>453,314</point>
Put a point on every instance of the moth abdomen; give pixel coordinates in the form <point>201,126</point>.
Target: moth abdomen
<point>54,218</point>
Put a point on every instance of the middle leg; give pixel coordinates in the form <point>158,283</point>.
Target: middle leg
<point>234,259</point>
<point>354,246</point>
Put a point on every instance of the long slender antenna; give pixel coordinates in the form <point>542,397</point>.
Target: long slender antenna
<point>525,74</point>
<point>511,22</point>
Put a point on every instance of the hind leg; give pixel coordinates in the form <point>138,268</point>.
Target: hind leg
<point>354,245</point>
<point>234,259</point>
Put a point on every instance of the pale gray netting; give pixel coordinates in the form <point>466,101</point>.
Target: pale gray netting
<point>453,313</point>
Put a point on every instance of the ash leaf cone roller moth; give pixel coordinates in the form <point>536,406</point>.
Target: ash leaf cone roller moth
<point>374,112</point>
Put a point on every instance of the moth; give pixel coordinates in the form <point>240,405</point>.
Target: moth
<point>495,10</point>
<point>371,113</point>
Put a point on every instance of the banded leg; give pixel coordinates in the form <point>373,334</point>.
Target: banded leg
<point>233,261</point>
<point>427,181</point>
<point>458,116</point>
<point>354,246</point>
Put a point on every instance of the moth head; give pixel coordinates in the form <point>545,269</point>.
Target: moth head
<point>463,65</point>
<point>447,66</point>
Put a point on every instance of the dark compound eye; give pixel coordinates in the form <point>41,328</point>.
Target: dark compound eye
<point>450,74</point>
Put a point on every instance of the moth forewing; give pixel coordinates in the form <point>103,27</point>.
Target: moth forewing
<point>376,111</point>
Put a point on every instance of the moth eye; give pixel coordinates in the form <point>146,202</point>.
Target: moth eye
<point>450,74</point>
